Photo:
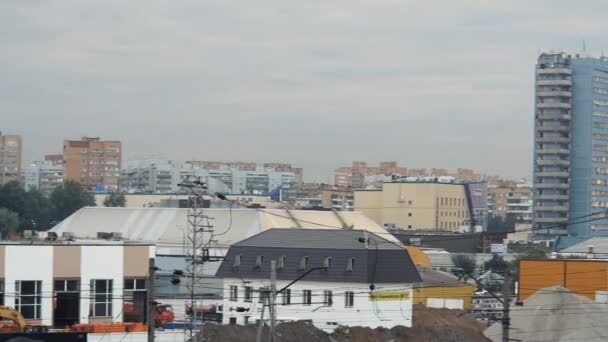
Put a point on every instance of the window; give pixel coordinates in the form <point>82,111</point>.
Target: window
<point>349,299</point>
<point>328,298</point>
<point>303,263</point>
<point>259,260</point>
<point>409,226</point>
<point>281,262</point>
<point>600,113</point>
<point>600,79</point>
<point>409,202</point>
<point>248,293</point>
<point>1,292</point>
<point>327,263</point>
<point>28,298</point>
<point>286,296</point>
<point>601,91</point>
<point>101,297</point>
<point>600,102</point>
<point>237,261</point>
<point>306,297</point>
<point>262,296</point>
<point>409,214</point>
<point>234,293</point>
<point>350,264</point>
<point>66,286</point>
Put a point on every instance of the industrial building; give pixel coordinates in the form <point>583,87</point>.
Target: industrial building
<point>343,264</point>
<point>570,143</point>
<point>417,203</point>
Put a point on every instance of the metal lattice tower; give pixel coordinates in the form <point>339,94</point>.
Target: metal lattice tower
<point>199,234</point>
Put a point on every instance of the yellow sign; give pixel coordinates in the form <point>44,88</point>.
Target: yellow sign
<point>389,295</point>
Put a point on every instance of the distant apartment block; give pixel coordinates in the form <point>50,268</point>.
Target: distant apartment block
<point>43,176</point>
<point>516,201</point>
<point>10,158</point>
<point>249,166</point>
<point>319,196</point>
<point>426,205</point>
<point>360,174</point>
<point>163,176</point>
<point>570,143</point>
<point>93,162</point>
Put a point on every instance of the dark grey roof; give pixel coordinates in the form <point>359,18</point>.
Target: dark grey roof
<point>431,277</point>
<point>317,238</point>
<point>388,264</point>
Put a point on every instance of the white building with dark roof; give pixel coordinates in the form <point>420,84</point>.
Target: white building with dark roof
<point>345,265</point>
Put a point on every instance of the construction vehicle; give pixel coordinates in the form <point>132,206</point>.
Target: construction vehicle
<point>163,313</point>
<point>19,324</point>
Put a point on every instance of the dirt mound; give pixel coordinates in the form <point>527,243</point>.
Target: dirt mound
<point>430,325</point>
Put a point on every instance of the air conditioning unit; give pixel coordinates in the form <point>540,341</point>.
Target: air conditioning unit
<point>68,235</point>
<point>104,235</point>
<point>116,236</point>
<point>51,236</point>
<point>30,234</point>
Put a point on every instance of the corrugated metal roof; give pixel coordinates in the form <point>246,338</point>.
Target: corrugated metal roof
<point>600,246</point>
<point>317,238</point>
<point>167,226</point>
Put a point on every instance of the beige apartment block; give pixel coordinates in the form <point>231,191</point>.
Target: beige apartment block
<point>92,161</point>
<point>10,158</point>
<point>416,205</point>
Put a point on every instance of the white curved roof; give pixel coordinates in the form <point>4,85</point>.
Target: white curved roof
<point>166,226</point>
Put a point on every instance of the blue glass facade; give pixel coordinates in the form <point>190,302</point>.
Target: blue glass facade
<point>571,144</point>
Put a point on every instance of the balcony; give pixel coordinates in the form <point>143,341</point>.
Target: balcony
<point>553,151</point>
<point>554,116</point>
<point>561,162</point>
<point>554,82</point>
<point>552,197</point>
<point>550,219</point>
<point>554,71</point>
<point>561,128</point>
<point>552,186</point>
<point>554,93</point>
<point>553,139</point>
<point>553,174</point>
<point>565,105</point>
<point>550,208</point>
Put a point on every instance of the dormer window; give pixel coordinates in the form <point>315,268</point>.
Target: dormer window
<point>281,262</point>
<point>259,260</point>
<point>350,264</point>
<point>237,261</point>
<point>303,263</point>
<point>327,263</point>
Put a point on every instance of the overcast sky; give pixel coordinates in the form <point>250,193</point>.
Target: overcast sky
<point>315,83</point>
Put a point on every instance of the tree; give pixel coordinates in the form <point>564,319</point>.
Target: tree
<point>68,198</point>
<point>496,264</point>
<point>464,265</point>
<point>9,220</point>
<point>12,197</point>
<point>115,199</point>
<point>37,212</point>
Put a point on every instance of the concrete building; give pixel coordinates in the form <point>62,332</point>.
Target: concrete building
<point>60,283</point>
<point>515,201</point>
<point>425,205</point>
<point>93,162</point>
<point>314,195</point>
<point>570,143</point>
<point>11,148</point>
<point>43,176</point>
<point>250,166</point>
<point>336,295</point>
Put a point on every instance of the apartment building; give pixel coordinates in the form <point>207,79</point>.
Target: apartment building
<point>420,204</point>
<point>249,166</point>
<point>342,265</point>
<point>570,143</point>
<point>43,176</point>
<point>354,176</point>
<point>11,147</point>
<point>93,162</point>
<point>516,201</point>
<point>314,195</point>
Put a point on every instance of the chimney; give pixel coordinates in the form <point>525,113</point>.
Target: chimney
<point>590,253</point>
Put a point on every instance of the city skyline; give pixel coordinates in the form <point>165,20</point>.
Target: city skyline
<point>365,81</point>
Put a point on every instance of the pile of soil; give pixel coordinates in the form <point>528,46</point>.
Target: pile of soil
<point>430,325</point>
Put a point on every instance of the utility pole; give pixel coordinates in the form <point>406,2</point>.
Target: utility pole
<point>506,297</point>
<point>258,337</point>
<point>151,302</point>
<point>198,237</point>
<point>273,300</point>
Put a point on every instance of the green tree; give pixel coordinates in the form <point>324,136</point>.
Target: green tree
<point>68,198</point>
<point>12,197</point>
<point>115,199</point>
<point>9,220</point>
<point>496,264</point>
<point>37,213</point>
<point>464,264</point>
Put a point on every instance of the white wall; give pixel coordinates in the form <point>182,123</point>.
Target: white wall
<point>101,262</point>
<point>367,313</point>
<point>30,263</point>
